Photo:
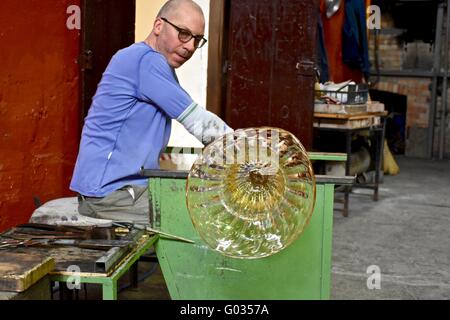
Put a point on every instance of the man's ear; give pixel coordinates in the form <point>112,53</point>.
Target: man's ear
<point>157,26</point>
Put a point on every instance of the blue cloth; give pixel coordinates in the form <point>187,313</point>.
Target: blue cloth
<point>322,52</point>
<point>129,121</point>
<point>355,49</point>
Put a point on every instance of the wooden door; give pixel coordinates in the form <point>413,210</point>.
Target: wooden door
<point>269,65</point>
<point>107,26</point>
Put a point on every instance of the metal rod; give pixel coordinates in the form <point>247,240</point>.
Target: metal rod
<point>168,235</point>
<point>436,70</point>
<point>348,144</point>
<point>411,73</point>
<point>171,174</point>
<point>337,180</point>
<point>444,103</point>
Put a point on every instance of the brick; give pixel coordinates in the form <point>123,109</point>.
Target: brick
<point>395,88</point>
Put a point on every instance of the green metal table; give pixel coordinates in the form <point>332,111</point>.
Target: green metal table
<point>194,271</point>
<point>109,281</point>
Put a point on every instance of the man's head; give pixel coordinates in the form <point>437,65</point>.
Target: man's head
<point>177,16</point>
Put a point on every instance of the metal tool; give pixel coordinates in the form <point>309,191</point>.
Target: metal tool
<point>14,243</point>
<point>332,7</point>
<point>129,225</point>
<point>168,235</point>
<point>113,255</point>
<point>45,231</point>
<point>123,224</point>
<point>97,244</point>
<point>110,259</point>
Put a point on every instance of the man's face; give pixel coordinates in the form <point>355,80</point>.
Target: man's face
<point>168,43</point>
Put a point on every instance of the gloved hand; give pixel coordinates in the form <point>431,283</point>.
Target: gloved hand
<point>202,124</point>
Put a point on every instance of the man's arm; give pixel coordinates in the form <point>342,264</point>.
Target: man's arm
<point>202,124</point>
<point>158,86</point>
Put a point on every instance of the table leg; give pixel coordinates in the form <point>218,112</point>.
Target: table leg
<point>348,145</point>
<point>110,290</point>
<point>52,285</point>
<point>377,164</point>
<point>134,275</point>
<point>379,157</point>
<point>61,290</point>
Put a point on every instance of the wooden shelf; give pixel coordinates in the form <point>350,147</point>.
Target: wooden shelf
<point>349,116</point>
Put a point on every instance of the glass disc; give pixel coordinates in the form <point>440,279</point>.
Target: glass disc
<point>251,193</point>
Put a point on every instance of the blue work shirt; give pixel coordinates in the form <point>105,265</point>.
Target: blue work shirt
<point>129,122</point>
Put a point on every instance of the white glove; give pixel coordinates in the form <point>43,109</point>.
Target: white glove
<point>202,124</point>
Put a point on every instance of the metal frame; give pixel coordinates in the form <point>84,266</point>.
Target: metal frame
<point>379,132</point>
<point>444,94</point>
<point>435,78</point>
<point>109,281</point>
<point>435,74</point>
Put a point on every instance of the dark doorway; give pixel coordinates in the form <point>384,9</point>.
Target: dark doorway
<point>107,26</point>
<point>396,105</point>
<point>269,59</point>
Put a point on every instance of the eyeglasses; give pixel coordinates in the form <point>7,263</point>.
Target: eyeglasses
<point>186,36</point>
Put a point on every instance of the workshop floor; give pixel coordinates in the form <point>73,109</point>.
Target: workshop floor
<point>405,234</point>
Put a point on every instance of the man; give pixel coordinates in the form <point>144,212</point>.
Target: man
<point>129,122</point>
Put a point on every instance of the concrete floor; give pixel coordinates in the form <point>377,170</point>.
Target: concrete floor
<point>405,234</point>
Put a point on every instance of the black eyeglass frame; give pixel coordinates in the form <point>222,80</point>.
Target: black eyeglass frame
<point>199,41</point>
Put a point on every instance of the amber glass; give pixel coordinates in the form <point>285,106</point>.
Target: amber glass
<point>252,192</point>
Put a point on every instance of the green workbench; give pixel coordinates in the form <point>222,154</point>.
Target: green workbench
<point>194,271</point>
<point>109,281</point>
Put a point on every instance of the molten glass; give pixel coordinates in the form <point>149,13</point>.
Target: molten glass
<point>252,192</point>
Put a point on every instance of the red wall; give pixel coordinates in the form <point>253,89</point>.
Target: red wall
<point>39,105</point>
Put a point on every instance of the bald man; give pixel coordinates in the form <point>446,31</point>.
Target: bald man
<point>129,122</point>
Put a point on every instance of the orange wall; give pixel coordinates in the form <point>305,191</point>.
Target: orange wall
<point>39,105</point>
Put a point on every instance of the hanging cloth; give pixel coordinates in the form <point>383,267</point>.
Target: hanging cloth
<point>322,52</point>
<point>355,51</point>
